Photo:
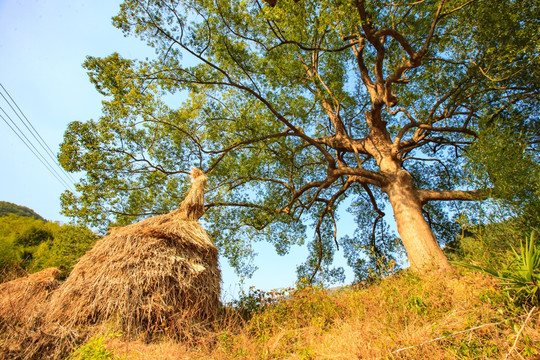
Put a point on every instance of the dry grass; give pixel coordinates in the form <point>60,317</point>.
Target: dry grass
<point>20,299</point>
<point>156,285</point>
<point>460,316</point>
<point>22,305</point>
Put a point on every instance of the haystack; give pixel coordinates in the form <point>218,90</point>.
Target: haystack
<point>21,299</point>
<point>156,276</point>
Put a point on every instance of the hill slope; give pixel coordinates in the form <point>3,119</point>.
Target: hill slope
<point>10,208</point>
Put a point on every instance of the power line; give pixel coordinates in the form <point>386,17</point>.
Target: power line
<point>30,146</point>
<point>35,151</point>
<point>34,132</point>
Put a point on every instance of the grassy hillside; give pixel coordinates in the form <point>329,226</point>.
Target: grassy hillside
<point>10,208</point>
<point>461,315</point>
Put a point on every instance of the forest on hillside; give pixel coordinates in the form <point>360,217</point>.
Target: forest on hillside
<point>28,243</point>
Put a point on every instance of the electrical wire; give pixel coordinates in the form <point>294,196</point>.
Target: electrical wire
<point>34,132</point>
<point>33,149</point>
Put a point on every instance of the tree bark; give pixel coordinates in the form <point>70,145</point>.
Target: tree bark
<point>422,247</point>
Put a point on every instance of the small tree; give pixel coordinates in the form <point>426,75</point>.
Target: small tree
<point>293,108</point>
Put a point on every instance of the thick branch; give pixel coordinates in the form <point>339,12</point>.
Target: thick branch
<point>450,195</point>
<point>364,72</point>
<point>423,131</point>
<point>344,144</point>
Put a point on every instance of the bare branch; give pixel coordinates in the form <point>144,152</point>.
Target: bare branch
<point>318,48</point>
<point>380,213</point>
<point>225,151</point>
<point>457,8</point>
<point>400,38</point>
<point>246,205</point>
<point>328,209</point>
<point>438,17</point>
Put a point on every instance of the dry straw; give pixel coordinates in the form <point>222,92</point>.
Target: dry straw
<point>158,276</point>
<point>21,299</point>
<point>147,276</point>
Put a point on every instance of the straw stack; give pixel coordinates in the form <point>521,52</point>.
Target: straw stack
<point>21,299</point>
<point>157,276</point>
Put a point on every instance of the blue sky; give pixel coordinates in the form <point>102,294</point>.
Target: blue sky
<point>42,47</point>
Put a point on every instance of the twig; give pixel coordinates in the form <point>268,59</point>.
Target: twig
<point>519,332</point>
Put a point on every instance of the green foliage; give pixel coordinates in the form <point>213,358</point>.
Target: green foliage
<point>70,243</point>
<point>520,277</point>
<point>515,176</point>
<point>258,93</point>
<point>34,245</point>
<point>8,254</point>
<point>10,208</point>
<point>11,225</point>
<point>93,350</point>
<point>33,236</point>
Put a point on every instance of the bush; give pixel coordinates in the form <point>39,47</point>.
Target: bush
<point>256,300</point>
<point>520,277</point>
<point>70,243</point>
<point>33,236</point>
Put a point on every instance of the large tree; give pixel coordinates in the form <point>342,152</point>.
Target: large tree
<point>297,108</point>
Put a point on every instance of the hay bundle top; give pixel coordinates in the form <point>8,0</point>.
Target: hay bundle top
<point>146,277</point>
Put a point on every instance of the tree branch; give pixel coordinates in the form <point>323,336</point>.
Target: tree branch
<point>450,195</point>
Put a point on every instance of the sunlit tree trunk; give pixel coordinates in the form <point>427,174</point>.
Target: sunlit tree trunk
<point>422,247</point>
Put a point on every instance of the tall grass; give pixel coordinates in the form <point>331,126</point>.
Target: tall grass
<point>462,315</point>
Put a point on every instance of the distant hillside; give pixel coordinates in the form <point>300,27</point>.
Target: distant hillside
<point>10,208</point>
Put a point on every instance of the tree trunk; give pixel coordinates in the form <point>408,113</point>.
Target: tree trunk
<point>422,247</point>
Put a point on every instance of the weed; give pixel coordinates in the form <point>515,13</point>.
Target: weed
<point>93,350</point>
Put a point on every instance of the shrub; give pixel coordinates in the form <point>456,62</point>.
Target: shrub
<point>520,278</point>
<point>256,300</point>
<point>33,236</point>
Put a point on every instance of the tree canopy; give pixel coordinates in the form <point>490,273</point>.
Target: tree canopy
<point>303,108</point>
